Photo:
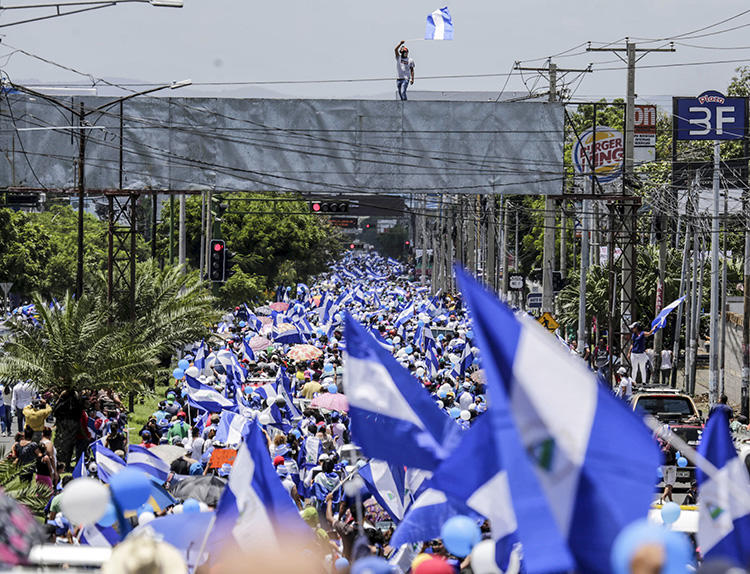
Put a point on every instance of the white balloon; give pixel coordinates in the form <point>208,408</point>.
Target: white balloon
<point>483,558</point>
<point>177,509</point>
<point>84,501</point>
<point>396,339</point>
<point>192,371</point>
<point>146,517</point>
<point>353,486</point>
<point>420,372</point>
<point>465,415</point>
<point>203,506</point>
<point>440,404</point>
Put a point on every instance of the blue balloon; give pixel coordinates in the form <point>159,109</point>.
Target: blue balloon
<point>475,362</point>
<point>328,368</point>
<point>130,488</point>
<point>191,506</point>
<point>341,564</point>
<point>183,364</point>
<point>371,565</point>
<point>333,389</point>
<point>248,390</point>
<point>670,512</point>
<point>441,337</point>
<point>389,341</point>
<point>420,323</point>
<point>442,394</point>
<point>409,349</point>
<point>469,334</point>
<point>460,534</point>
<point>178,374</point>
<point>110,516</point>
<point>455,413</point>
<point>242,324</point>
<point>677,549</point>
<point>659,472</point>
<point>682,462</point>
<point>320,332</point>
<point>184,393</point>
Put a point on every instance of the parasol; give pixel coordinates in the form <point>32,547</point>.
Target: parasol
<point>330,401</point>
<point>280,306</point>
<point>304,353</point>
<point>259,343</point>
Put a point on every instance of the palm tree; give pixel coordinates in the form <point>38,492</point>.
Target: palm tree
<point>31,494</point>
<point>74,347</point>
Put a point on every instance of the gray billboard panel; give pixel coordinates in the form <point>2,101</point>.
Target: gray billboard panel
<point>318,146</point>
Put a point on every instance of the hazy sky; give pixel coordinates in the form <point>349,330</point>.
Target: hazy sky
<point>246,40</point>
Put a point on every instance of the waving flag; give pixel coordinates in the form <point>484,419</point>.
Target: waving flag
<point>80,469</point>
<point>283,389</point>
<point>386,483</point>
<point>425,517</point>
<point>200,356</point>
<point>254,505</point>
<point>584,442</point>
<point>107,463</point>
<point>405,315</point>
<point>392,417</point>
<point>232,427</point>
<point>661,319</point>
<point>723,519</point>
<point>205,398</point>
<point>247,350</point>
<point>142,458</point>
<point>100,536</point>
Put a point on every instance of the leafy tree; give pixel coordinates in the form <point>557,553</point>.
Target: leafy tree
<point>242,287</point>
<point>33,495</point>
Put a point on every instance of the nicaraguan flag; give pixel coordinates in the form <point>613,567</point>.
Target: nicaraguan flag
<point>405,315</point>
<point>205,398</point>
<point>426,516</point>
<point>661,319</point>
<point>723,518</point>
<point>200,356</point>
<point>283,389</point>
<point>381,341</point>
<point>254,505</point>
<point>143,459</point>
<point>431,361</point>
<point>80,469</point>
<point>100,536</point>
<point>232,428</point>
<point>107,463</point>
<point>249,354</point>
<point>386,483</point>
<point>490,472</point>
<point>584,443</point>
<point>393,418</point>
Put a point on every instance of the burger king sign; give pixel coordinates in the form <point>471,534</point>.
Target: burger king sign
<point>604,147</point>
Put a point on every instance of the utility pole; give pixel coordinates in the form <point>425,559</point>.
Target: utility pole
<point>713,358</point>
<point>504,248</point>
<point>423,276</point>
<point>627,294</point>
<point>563,240</point>
<point>723,348</point>
<point>490,266</point>
<point>81,195</point>
<point>661,230</point>
<point>548,251</point>
<point>181,247</point>
<point>678,320</point>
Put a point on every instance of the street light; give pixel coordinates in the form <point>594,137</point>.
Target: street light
<point>78,7</point>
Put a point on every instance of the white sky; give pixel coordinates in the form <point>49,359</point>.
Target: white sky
<point>245,40</point>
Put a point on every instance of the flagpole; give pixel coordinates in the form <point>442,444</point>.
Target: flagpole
<point>695,457</point>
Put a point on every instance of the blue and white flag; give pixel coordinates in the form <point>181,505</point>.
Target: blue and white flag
<point>661,318</point>
<point>393,417</point>
<point>723,518</point>
<point>107,463</point>
<point>80,469</point>
<point>143,459</point>
<point>205,398</point>
<point>200,356</point>
<point>584,443</point>
<point>283,389</point>
<point>386,483</point>
<point>255,505</point>
<point>232,428</point>
<point>253,323</point>
<point>99,536</point>
<point>289,337</point>
<point>405,315</point>
<point>425,517</point>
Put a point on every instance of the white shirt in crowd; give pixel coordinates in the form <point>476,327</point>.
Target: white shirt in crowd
<point>22,396</point>
<point>666,359</point>
<point>404,67</point>
<point>625,390</point>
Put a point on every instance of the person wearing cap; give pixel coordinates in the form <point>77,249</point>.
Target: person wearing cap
<point>179,428</point>
<point>172,407</point>
<point>404,69</point>
<point>146,439</point>
<point>625,385</point>
<point>638,357</point>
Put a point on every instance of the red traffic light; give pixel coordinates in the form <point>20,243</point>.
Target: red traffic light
<point>351,246</point>
<point>316,207</point>
<point>407,243</point>
<point>218,247</point>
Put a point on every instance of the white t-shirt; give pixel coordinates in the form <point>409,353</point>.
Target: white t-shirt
<point>404,66</point>
<point>625,389</point>
<point>666,359</point>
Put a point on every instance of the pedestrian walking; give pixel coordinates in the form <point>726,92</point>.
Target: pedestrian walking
<point>625,385</point>
<point>21,397</point>
<point>404,69</point>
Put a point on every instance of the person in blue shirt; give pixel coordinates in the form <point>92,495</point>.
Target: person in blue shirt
<point>638,356</point>
<point>722,406</point>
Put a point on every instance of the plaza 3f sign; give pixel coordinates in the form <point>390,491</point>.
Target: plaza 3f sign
<point>710,116</point>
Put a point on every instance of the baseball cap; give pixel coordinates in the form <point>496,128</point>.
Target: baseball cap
<point>622,371</point>
<point>278,460</point>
